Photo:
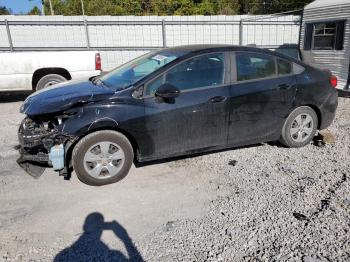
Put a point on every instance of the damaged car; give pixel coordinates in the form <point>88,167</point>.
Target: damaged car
<point>173,102</point>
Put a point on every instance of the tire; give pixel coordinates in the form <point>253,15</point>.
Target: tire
<point>49,80</point>
<point>102,158</point>
<point>300,127</point>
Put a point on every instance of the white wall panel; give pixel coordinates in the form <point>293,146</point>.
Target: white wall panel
<point>148,35</point>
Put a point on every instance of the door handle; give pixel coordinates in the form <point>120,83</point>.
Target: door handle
<point>217,99</point>
<point>283,86</point>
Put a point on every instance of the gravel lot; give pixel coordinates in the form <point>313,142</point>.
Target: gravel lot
<point>258,203</point>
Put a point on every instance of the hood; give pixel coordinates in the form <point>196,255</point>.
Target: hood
<point>62,96</point>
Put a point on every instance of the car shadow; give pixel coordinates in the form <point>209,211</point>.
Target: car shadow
<point>192,155</point>
<point>278,144</point>
<point>342,93</point>
<point>89,246</point>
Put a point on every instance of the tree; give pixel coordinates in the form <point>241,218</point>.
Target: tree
<point>4,10</point>
<point>253,6</point>
<point>272,6</point>
<point>172,7</point>
<point>35,11</point>
<point>132,7</point>
<point>103,7</point>
<point>160,7</point>
<point>59,7</point>
<point>228,7</point>
<point>206,7</point>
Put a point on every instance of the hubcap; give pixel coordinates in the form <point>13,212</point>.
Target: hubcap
<point>104,160</point>
<point>52,82</point>
<point>302,127</point>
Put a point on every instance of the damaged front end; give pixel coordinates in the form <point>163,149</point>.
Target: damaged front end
<point>42,144</point>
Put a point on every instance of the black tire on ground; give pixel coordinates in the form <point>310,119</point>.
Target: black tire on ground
<point>90,140</point>
<point>49,80</point>
<point>286,135</point>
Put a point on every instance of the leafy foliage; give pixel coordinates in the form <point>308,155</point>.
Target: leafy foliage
<point>167,7</point>
<point>4,10</point>
<point>34,11</point>
<point>272,6</point>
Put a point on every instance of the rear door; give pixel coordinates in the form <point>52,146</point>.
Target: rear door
<point>261,97</point>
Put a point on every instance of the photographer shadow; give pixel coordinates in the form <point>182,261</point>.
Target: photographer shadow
<point>89,246</point>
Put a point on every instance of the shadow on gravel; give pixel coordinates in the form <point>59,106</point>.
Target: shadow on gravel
<point>342,93</point>
<point>14,96</point>
<point>191,155</point>
<point>89,246</point>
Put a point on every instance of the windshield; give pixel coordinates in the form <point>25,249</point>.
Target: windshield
<point>138,68</point>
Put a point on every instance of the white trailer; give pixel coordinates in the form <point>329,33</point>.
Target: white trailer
<point>325,37</point>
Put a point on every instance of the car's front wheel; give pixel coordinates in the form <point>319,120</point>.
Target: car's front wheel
<point>300,127</point>
<point>103,157</point>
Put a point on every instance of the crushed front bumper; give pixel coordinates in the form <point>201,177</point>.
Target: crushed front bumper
<point>36,141</point>
<point>34,167</point>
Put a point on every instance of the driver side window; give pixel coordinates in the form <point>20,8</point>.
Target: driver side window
<point>152,86</point>
<point>197,72</point>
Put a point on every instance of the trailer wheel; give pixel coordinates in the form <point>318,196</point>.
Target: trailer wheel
<point>49,80</point>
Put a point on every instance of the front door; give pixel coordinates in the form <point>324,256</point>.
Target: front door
<point>198,117</point>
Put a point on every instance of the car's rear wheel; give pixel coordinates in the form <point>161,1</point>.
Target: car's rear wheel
<point>300,127</point>
<point>49,80</point>
<point>102,157</point>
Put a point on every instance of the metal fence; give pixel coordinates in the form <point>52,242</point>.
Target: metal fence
<point>135,35</point>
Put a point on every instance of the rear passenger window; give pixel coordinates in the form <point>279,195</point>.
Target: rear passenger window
<point>254,66</point>
<point>284,67</point>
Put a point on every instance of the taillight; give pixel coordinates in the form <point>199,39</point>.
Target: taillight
<point>97,61</point>
<point>333,80</point>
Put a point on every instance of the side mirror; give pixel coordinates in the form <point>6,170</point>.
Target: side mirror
<point>167,91</point>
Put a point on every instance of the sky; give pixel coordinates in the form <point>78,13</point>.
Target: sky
<point>20,6</point>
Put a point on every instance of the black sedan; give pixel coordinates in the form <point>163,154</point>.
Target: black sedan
<point>172,102</point>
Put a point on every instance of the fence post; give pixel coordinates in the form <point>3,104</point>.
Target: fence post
<point>87,34</point>
<point>9,35</point>
<point>163,33</point>
<point>240,32</point>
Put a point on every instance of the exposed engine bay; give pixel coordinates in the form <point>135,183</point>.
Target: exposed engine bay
<point>43,144</point>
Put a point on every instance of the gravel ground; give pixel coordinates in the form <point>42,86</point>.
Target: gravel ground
<point>258,203</point>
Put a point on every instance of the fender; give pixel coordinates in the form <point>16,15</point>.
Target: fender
<point>105,122</point>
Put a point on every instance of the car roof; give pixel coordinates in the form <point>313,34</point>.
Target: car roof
<point>194,48</point>
<point>205,48</point>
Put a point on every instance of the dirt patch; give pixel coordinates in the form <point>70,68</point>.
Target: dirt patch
<point>258,203</point>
